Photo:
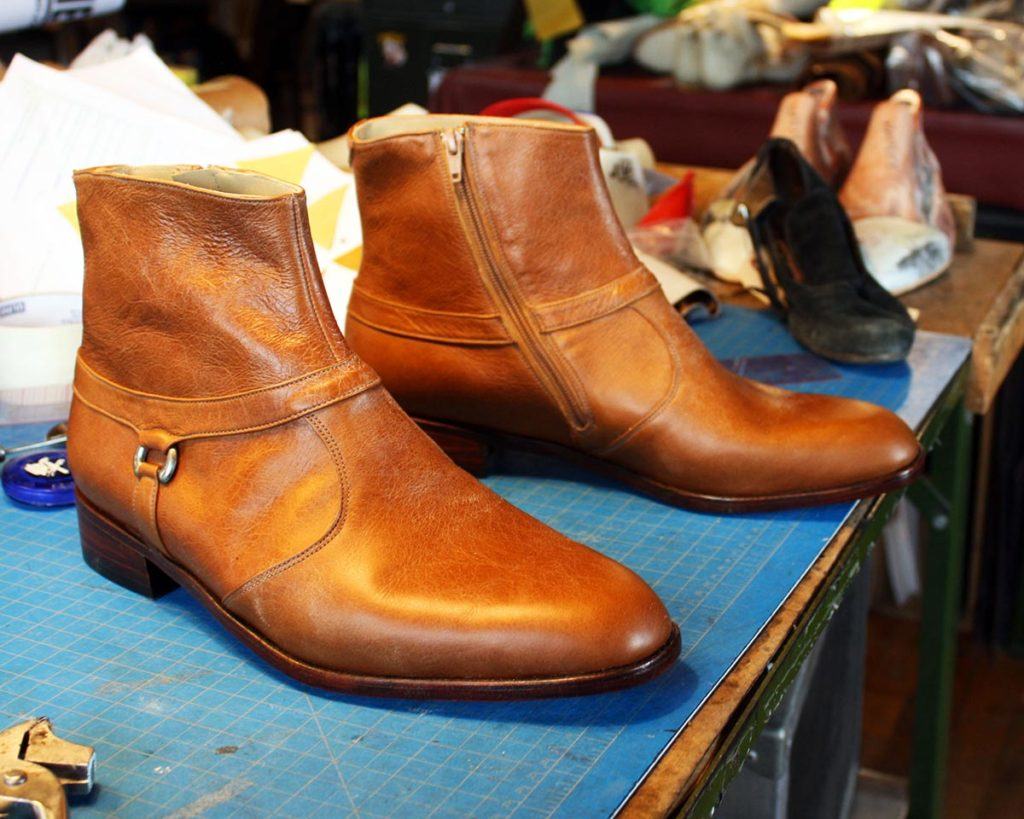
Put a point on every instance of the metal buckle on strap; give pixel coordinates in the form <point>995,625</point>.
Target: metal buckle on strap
<point>166,472</point>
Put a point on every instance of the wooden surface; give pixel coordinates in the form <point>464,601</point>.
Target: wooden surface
<point>981,297</point>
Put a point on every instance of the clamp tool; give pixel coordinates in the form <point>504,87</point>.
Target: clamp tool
<point>38,769</point>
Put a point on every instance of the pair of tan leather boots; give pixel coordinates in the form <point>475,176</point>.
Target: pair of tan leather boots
<point>225,437</point>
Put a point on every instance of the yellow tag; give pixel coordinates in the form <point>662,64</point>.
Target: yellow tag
<point>870,5</point>
<point>552,18</point>
<point>186,73</point>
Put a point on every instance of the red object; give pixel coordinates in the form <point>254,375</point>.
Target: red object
<point>520,105</point>
<point>675,203</point>
<point>979,153</point>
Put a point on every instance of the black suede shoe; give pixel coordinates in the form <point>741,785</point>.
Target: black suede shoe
<point>811,266</point>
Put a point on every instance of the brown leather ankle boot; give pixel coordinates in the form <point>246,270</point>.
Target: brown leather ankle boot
<point>501,304</point>
<point>226,439</point>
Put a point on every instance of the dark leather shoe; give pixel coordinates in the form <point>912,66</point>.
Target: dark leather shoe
<point>508,310</point>
<point>810,263</point>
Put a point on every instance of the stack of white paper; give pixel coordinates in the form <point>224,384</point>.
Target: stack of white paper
<point>130,110</point>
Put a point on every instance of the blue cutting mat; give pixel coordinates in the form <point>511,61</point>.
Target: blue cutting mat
<point>187,721</point>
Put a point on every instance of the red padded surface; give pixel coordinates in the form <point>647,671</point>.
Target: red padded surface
<point>980,154</point>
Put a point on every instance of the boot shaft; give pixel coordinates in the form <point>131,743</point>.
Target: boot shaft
<point>494,265</point>
<point>200,282</point>
<point>454,194</point>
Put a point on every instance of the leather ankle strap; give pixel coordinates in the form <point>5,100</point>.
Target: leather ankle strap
<point>162,421</point>
<point>593,304</point>
<point>489,330</point>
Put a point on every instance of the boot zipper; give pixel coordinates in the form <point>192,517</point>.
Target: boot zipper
<point>453,146</point>
<point>530,339</point>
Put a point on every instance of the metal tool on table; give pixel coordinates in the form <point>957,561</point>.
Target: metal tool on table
<point>38,474</point>
<point>57,436</point>
<point>38,770</point>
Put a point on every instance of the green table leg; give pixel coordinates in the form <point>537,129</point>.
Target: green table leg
<point>942,497</point>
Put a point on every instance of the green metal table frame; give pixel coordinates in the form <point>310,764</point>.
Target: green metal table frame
<point>942,497</point>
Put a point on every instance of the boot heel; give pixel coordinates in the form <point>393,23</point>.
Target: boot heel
<point>472,451</point>
<point>118,556</point>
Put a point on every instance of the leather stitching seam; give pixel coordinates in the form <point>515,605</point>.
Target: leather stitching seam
<point>585,302</point>
<point>467,340</point>
<point>182,436</point>
<point>554,128</point>
<point>589,294</point>
<point>215,398</point>
<point>181,187</point>
<point>135,493</point>
<point>553,349</point>
<point>331,443</point>
<point>153,495</point>
<point>300,251</point>
<point>606,312</point>
<point>421,310</point>
<point>665,401</point>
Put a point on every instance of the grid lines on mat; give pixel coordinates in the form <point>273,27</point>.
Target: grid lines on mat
<point>188,722</point>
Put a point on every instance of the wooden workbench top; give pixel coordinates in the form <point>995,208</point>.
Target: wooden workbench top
<point>981,298</point>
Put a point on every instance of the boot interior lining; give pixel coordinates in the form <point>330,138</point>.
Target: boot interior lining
<point>383,127</point>
<point>227,181</point>
<point>222,180</point>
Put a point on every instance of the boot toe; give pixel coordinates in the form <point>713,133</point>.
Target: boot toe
<point>624,626</point>
<point>862,445</point>
<point>599,618</point>
<point>890,446</point>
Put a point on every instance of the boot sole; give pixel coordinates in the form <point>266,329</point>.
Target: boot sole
<point>121,557</point>
<point>476,450</point>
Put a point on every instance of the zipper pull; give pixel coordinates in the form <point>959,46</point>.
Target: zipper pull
<point>453,142</point>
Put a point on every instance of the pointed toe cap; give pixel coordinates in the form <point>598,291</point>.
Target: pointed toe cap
<point>867,446</point>
<point>628,627</point>
<point>890,445</point>
<point>600,620</point>
<point>843,448</point>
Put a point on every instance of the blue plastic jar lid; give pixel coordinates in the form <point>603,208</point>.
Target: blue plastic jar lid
<point>40,478</point>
